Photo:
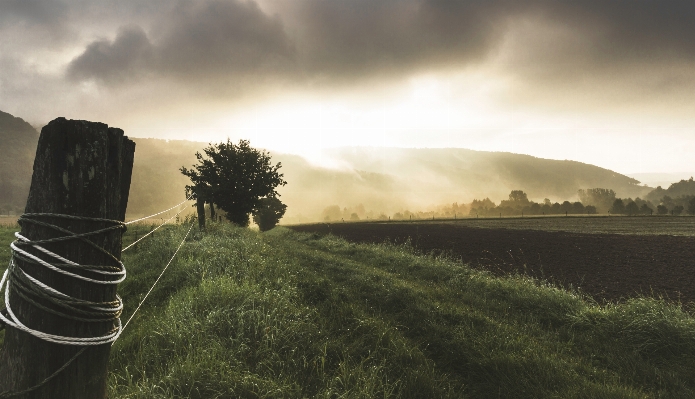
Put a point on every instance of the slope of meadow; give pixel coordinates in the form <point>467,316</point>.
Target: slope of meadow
<point>289,315</point>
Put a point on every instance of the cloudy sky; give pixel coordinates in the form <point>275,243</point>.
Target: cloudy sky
<point>610,83</point>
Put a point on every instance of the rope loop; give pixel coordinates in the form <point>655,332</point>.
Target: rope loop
<point>17,282</point>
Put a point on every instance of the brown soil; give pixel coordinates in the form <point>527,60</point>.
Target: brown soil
<point>609,267</point>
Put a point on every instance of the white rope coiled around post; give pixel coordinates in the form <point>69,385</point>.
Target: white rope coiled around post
<point>29,288</point>
<point>16,281</point>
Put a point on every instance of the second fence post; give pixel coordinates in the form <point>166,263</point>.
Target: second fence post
<point>200,205</point>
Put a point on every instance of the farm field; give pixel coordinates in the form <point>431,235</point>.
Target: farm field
<point>637,225</point>
<point>652,257</point>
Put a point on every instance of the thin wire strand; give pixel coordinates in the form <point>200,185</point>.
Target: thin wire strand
<point>155,229</point>
<point>158,278</point>
<point>159,213</point>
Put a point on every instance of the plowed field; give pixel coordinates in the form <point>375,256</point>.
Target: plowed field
<point>608,267</point>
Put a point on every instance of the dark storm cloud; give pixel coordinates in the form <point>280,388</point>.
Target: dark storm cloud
<point>219,37</point>
<point>224,42</point>
<point>129,55</point>
<point>601,54</point>
<point>36,23</point>
<point>629,30</point>
<point>46,13</point>
<point>612,34</point>
<point>363,36</point>
<point>213,40</point>
<point>196,41</point>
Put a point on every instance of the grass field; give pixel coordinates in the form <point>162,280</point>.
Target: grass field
<point>6,237</point>
<point>638,225</point>
<point>8,220</point>
<point>281,314</point>
<point>289,315</point>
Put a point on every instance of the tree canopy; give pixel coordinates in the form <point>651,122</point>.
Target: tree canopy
<point>601,198</point>
<point>691,206</point>
<point>235,177</point>
<point>268,213</point>
<point>618,207</point>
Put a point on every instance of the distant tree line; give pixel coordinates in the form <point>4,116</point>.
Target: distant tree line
<point>519,204</point>
<point>677,199</point>
<point>632,207</point>
<point>359,212</point>
<point>667,206</point>
<point>449,211</point>
<point>592,201</point>
<point>683,188</point>
<point>606,201</point>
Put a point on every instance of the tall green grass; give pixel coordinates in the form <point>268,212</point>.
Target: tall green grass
<point>287,315</point>
<point>6,237</point>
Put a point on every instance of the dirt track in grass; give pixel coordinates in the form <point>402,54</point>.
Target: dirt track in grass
<point>609,267</point>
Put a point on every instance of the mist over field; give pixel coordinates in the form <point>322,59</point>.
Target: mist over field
<point>362,183</point>
<point>371,183</point>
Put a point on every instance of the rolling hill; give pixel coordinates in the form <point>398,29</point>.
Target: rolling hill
<point>381,179</point>
<point>17,153</point>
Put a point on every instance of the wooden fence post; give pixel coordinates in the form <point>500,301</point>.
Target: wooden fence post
<point>212,212</point>
<point>81,169</point>
<point>200,204</point>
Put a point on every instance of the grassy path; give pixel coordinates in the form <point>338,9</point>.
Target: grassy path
<point>503,335</point>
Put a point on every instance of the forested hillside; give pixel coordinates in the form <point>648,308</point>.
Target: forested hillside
<point>383,180</point>
<point>17,152</point>
<point>682,188</point>
<point>479,174</point>
<point>379,180</point>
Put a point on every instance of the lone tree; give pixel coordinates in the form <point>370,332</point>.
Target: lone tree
<point>268,213</point>
<point>235,177</point>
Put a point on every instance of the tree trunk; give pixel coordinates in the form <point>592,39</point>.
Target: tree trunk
<point>82,169</point>
<point>200,205</point>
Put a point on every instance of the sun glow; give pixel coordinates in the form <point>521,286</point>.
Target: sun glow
<point>425,112</point>
<point>466,110</point>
